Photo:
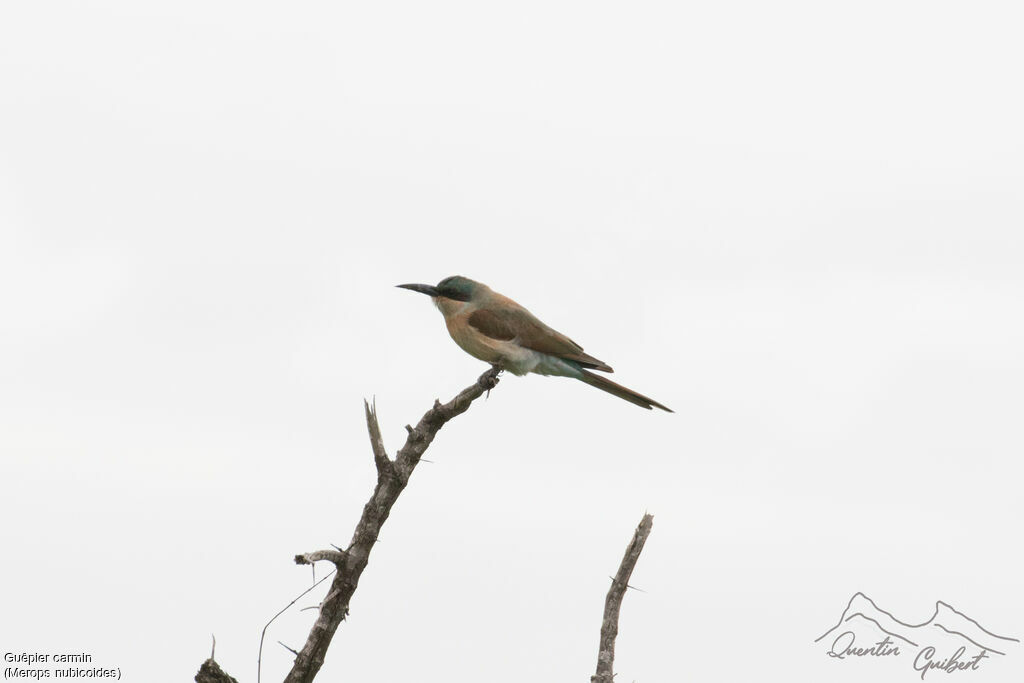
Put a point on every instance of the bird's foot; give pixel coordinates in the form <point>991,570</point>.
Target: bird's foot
<point>490,379</point>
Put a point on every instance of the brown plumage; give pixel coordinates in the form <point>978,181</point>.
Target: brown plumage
<point>515,322</point>
<point>496,329</point>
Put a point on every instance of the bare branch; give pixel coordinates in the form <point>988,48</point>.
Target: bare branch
<point>335,556</point>
<point>613,602</point>
<point>334,609</point>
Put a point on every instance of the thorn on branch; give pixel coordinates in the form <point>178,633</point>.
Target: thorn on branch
<point>294,652</point>
<point>612,579</point>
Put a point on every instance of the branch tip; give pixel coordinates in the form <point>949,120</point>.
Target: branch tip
<point>613,602</point>
<point>335,556</point>
<point>380,455</point>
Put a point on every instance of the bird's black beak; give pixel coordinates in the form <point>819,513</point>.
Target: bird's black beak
<point>429,290</point>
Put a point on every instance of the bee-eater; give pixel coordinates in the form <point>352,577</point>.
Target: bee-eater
<point>499,331</point>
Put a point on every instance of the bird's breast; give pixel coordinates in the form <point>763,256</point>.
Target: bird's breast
<point>506,354</point>
<point>470,339</point>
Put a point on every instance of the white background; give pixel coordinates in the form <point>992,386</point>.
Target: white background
<point>797,224</point>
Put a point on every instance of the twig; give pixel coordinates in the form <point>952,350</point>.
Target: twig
<point>613,602</point>
<point>392,478</point>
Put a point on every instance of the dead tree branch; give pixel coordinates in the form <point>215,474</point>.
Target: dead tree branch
<point>392,477</point>
<point>613,602</point>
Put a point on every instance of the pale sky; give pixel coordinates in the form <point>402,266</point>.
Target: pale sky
<point>798,224</point>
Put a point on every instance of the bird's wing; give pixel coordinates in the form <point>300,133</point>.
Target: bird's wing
<point>507,324</point>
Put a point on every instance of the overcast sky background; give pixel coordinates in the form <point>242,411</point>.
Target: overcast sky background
<point>798,224</point>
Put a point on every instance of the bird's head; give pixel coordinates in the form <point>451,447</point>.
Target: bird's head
<point>456,288</point>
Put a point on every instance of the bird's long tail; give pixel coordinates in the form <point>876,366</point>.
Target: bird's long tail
<point>622,392</point>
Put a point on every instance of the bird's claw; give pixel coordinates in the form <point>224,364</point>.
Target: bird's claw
<point>490,379</point>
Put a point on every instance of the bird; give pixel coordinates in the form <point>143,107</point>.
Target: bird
<point>499,331</point>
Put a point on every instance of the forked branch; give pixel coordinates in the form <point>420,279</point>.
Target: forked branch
<point>392,477</point>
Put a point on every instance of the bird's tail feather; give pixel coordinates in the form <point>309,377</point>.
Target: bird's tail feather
<point>622,392</point>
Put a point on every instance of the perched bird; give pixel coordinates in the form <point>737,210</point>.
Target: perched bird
<point>497,330</point>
